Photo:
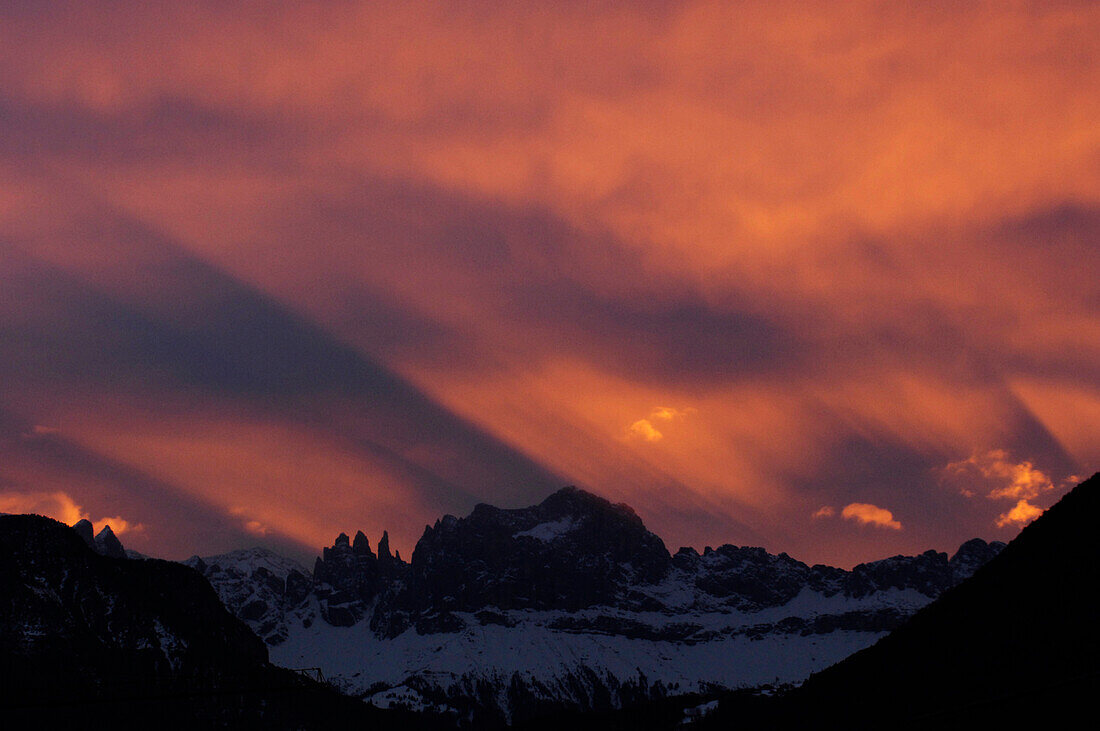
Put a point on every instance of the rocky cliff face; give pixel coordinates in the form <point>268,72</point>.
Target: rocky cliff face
<point>258,587</point>
<point>571,603</point>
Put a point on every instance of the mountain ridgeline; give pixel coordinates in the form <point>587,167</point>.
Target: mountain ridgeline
<point>1015,646</point>
<point>568,612</point>
<point>571,604</point>
<point>89,636</point>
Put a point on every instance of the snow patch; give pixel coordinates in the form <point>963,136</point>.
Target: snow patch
<point>549,531</point>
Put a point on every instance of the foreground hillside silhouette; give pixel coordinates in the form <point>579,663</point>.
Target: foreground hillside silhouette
<point>96,641</point>
<point>1017,643</point>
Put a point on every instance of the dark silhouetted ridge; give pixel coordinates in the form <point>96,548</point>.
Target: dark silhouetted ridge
<point>90,640</point>
<point>1017,643</point>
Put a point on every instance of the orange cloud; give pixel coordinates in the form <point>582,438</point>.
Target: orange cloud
<point>60,506</point>
<point>1020,515</point>
<point>667,413</point>
<point>825,511</point>
<point>644,429</point>
<point>824,225</point>
<point>255,527</point>
<point>998,476</point>
<point>1009,478</point>
<point>868,514</point>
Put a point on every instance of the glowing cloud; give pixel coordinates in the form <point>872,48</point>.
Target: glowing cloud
<point>826,511</point>
<point>60,506</point>
<point>868,514</point>
<point>1022,514</point>
<point>856,236</point>
<point>1011,479</point>
<point>256,528</point>
<point>667,413</point>
<point>998,476</point>
<point>644,429</point>
<point>248,522</point>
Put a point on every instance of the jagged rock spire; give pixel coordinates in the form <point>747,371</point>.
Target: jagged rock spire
<point>108,544</point>
<point>384,547</point>
<point>360,545</point>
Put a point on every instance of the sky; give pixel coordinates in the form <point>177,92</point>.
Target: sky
<point>818,277</point>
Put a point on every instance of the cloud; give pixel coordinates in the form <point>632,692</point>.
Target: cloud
<point>667,413</point>
<point>1011,479</point>
<point>643,429</point>
<point>60,506</point>
<point>1020,515</point>
<point>250,524</point>
<point>256,528</point>
<point>868,514</point>
<point>826,511</point>
<point>495,214</point>
<point>998,476</point>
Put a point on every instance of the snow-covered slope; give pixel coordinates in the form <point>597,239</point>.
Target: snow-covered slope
<point>258,586</point>
<point>571,603</point>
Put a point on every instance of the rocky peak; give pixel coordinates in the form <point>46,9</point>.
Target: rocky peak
<point>575,502</point>
<point>348,576</point>
<point>972,555</point>
<point>83,528</point>
<point>108,544</point>
<point>573,550</point>
<point>361,545</point>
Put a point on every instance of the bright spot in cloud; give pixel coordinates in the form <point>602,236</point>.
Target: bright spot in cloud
<point>667,413</point>
<point>645,430</point>
<point>249,523</point>
<point>869,514</point>
<point>1021,515</point>
<point>256,528</point>
<point>60,506</point>
<point>40,431</point>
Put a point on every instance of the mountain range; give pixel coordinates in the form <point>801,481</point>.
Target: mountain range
<point>569,605</point>
<point>562,613</point>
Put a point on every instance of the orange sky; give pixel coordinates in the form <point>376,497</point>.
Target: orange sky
<point>820,278</point>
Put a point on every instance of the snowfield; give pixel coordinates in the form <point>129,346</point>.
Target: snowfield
<point>391,672</point>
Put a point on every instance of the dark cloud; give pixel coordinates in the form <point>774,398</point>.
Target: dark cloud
<point>165,130</point>
<point>176,324</point>
<point>547,279</point>
<point>178,524</point>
